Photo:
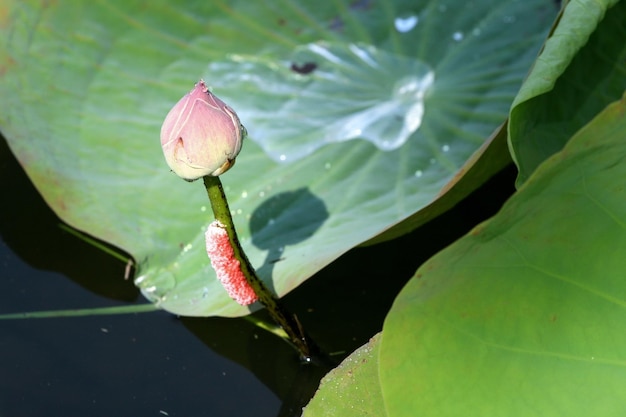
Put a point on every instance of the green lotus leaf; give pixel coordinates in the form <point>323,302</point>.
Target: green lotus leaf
<point>524,315</point>
<point>359,114</point>
<point>352,389</point>
<point>579,72</point>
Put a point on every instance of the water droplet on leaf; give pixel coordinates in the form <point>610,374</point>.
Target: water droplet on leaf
<point>405,23</point>
<point>357,92</point>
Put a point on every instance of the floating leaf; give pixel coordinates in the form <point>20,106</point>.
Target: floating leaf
<point>579,72</point>
<point>351,389</point>
<point>524,315</point>
<point>86,86</point>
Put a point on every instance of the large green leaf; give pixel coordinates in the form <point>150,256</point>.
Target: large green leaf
<point>352,389</point>
<point>359,113</point>
<point>525,314</point>
<point>581,69</point>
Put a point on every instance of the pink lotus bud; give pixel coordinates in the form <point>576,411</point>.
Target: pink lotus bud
<point>201,135</point>
<point>227,267</point>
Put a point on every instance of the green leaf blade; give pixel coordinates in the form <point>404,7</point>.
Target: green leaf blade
<point>87,88</point>
<point>523,315</point>
<point>351,389</point>
<point>579,72</point>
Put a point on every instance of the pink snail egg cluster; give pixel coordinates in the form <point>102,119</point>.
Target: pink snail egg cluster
<point>226,266</point>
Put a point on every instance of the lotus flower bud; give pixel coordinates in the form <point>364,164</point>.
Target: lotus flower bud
<point>201,135</point>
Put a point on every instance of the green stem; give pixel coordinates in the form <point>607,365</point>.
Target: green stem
<point>287,321</point>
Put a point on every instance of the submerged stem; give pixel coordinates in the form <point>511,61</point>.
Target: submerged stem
<point>287,321</point>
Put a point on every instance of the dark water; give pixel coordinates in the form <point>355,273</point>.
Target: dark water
<point>156,364</point>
